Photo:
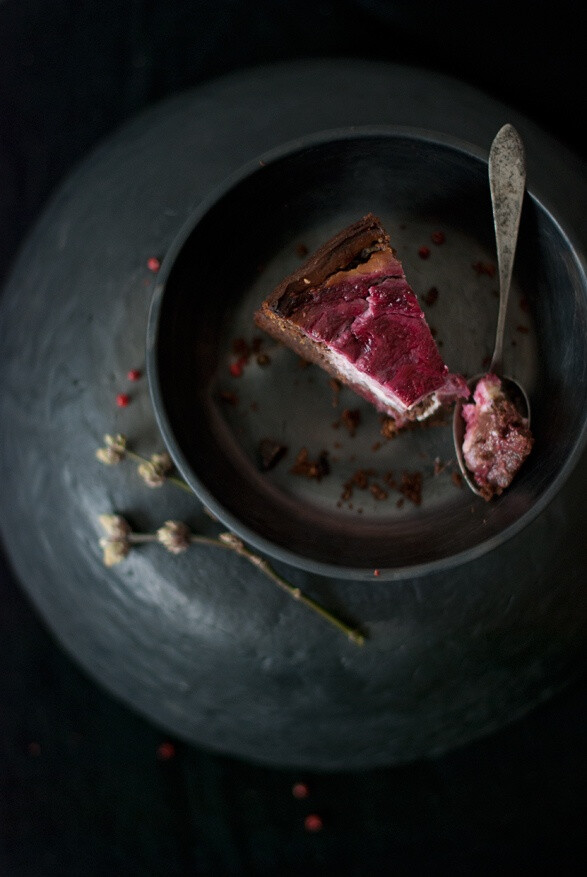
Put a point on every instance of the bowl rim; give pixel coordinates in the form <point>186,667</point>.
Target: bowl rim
<point>201,492</point>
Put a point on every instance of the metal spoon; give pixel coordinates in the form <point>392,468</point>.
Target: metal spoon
<point>507,182</point>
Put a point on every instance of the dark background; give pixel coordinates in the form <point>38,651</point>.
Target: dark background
<point>85,787</point>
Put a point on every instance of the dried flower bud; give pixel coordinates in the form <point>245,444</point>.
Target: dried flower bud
<point>114,450</point>
<point>116,543</point>
<point>175,536</point>
<point>114,550</point>
<point>155,471</point>
<point>115,526</point>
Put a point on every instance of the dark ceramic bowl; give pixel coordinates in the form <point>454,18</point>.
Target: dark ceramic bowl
<point>220,388</point>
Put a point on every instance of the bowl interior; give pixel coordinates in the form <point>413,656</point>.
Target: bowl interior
<point>222,390</point>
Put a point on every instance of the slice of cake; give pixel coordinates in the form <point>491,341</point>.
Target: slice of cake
<point>350,309</point>
<point>497,438</point>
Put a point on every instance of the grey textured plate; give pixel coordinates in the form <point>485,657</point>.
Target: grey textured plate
<point>215,411</point>
<point>202,643</point>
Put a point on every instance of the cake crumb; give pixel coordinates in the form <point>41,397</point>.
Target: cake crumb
<point>431,296</point>
<point>377,492</point>
<point>271,452</point>
<point>229,397</point>
<point>389,479</point>
<point>307,468</point>
<point>335,387</point>
<point>359,479</point>
<point>484,268</point>
<point>389,428</point>
<point>457,479</point>
<point>439,466</point>
<point>351,419</point>
<point>411,486</point>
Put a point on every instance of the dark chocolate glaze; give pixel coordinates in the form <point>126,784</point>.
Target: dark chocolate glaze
<point>339,253</point>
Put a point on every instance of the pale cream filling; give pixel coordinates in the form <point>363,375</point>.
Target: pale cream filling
<point>429,403</point>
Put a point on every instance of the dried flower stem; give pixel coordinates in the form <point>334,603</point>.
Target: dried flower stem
<point>174,479</point>
<point>176,537</point>
<point>231,541</point>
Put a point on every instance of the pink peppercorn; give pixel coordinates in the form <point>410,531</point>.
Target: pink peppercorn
<point>313,822</point>
<point>134,374</point>
<point>424,252</point>
<point>300,790</point>
<point>122,400</point>
<point>437,237</point>
<point>153,264</point>
<point>165,751</point>
<point>237,368</point>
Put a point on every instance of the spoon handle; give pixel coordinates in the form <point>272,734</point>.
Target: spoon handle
<point>507,182</point>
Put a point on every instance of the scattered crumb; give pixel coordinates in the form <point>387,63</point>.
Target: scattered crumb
<point>359,479</point>
<point>484,268</point>
<point>389,479</point>
<point>389,428</point>
<point>271,452</point>
<point>229,397</point>
<point>431,296</point>
<point>522,329</point>
<point>335,386</point>
<point>411,486</point>
<point>307,468</point>
<point>301,250</point>
<point>351,419</point>
<point>457,479</point>
<point>377,491</point>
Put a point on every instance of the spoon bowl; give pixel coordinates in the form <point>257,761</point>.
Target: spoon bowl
<point>507,181</point>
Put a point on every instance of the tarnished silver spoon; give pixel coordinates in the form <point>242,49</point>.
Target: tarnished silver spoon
<point>507,182</point>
